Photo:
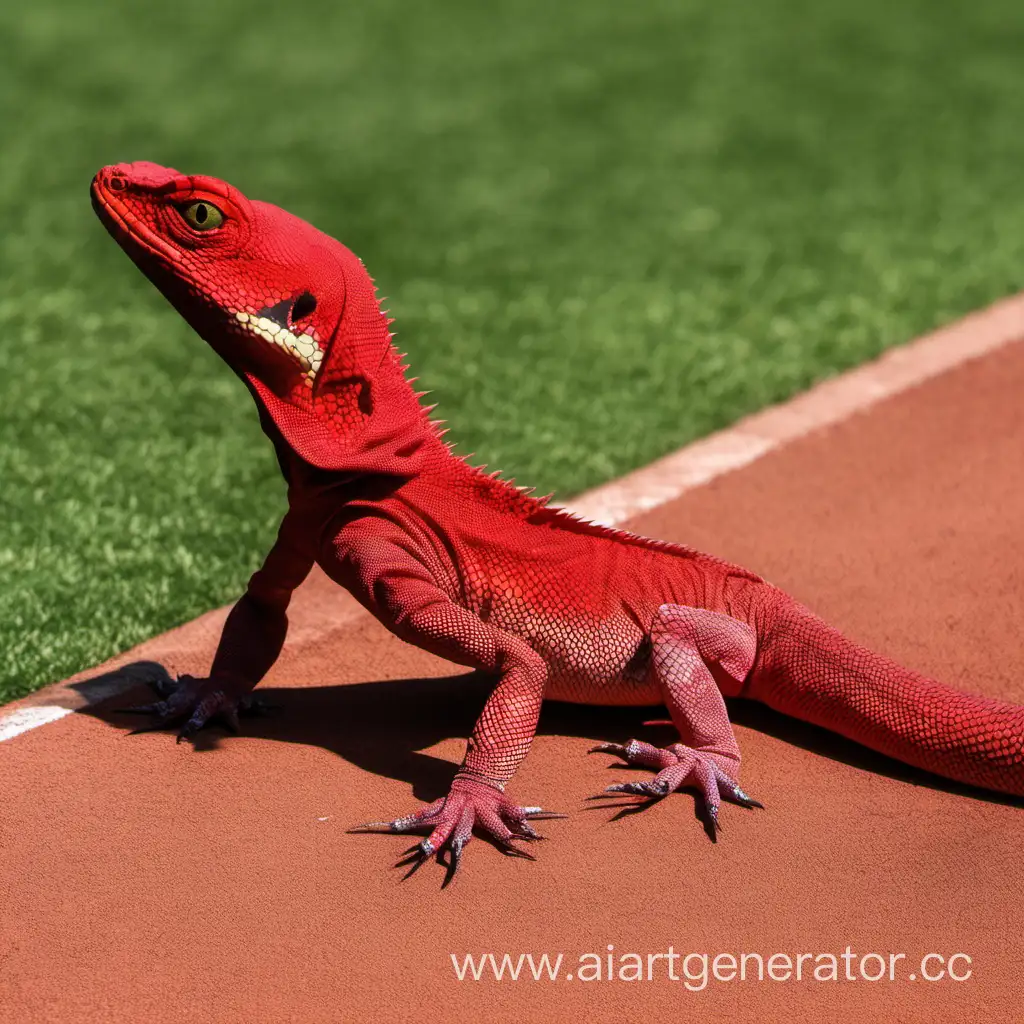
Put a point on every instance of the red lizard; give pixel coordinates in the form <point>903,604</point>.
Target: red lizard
<point>479,572</point>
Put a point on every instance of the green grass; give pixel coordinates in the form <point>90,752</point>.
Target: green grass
<point>605,229</point>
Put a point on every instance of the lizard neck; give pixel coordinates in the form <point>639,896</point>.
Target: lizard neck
<point>360,423</point>
<point>361,414</point>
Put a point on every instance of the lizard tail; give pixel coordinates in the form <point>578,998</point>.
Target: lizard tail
<point>812,672</point>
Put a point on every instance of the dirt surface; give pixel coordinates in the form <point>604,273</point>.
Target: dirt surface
<point>149,881</point>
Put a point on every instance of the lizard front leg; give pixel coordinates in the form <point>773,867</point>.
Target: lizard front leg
<point>498,744</point>
<point>686,642</point>
<point>249,645</point>
<point>400,591</point>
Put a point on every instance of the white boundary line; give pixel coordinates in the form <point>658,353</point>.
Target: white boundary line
<point>22,719</point>
<point>666,479</point>
<point>827,403</point>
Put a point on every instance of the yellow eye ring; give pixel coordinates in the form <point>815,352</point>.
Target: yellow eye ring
<point>203,216</point>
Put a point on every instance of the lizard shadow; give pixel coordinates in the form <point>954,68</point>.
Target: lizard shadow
<point>384,727</point>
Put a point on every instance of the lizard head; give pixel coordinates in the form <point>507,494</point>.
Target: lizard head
<point>248,276</point>
<point>289,308</point>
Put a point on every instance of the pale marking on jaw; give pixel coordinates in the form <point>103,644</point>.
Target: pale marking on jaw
<point>302,347</point>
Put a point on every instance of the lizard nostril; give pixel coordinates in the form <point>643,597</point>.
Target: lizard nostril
<point>118,184</point>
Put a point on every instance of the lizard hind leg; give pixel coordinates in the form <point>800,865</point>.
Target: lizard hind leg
<point>687,644</point>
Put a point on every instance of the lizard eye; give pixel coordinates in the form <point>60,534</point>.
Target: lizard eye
<point>203,216</point>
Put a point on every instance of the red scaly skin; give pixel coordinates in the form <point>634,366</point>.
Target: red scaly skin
<point>477,571</point>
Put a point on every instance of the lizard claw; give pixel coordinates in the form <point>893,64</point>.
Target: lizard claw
<point>713,827</point>
<point>677,767</point>
<point>470,804</point>
<point>199,702</point>
<point>609,748</point>
<point>651,789</point>
<point>457,846</point>
<point>408,823</point>
<point>737,796</point>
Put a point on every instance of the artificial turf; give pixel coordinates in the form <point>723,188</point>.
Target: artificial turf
<point>605,229</point>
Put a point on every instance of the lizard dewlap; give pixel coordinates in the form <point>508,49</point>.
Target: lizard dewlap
<point>478,571</point>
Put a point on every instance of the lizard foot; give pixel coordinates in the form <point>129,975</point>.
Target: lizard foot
<point>677,767</point>
<point>451,820</point>
<point>199,702</point>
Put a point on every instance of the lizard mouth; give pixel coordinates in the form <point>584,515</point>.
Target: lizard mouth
<point>276,325</point>
<point>117,218</point>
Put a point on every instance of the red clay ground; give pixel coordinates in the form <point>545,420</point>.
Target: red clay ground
<point>146,881</point>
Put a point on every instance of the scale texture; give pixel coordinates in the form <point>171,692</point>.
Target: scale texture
<point>480,572</point>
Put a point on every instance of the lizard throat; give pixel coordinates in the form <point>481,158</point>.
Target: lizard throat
<point>305,349</point>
